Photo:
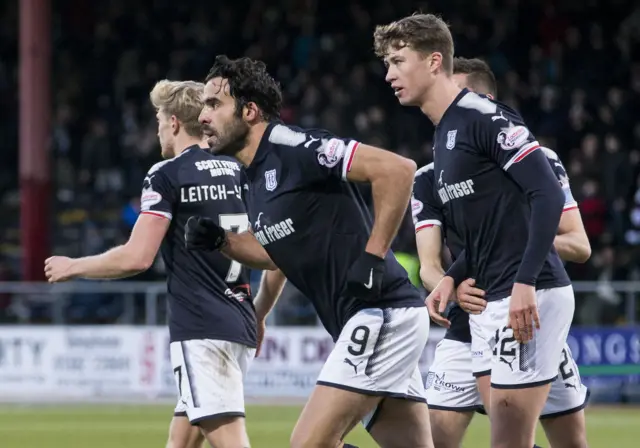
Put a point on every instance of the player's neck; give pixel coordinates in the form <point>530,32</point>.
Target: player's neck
<point>247,154</point>
<point>438,100</point>
<point>185,142</point>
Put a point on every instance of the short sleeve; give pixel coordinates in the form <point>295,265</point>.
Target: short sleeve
<point>321,155</point>
<point>499,131</point>
<point>563,178</point>
<point>425,207</point>
<point>158,194</point>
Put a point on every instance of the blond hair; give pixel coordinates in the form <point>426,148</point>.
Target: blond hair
<point>182,99</point>
<point>424,33</point>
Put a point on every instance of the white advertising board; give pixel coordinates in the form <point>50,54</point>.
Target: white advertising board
<point>125,361</point>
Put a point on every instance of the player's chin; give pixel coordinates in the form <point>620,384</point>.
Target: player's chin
<point>406,100</point>
<point>212,141</point>
<point>215,148</point>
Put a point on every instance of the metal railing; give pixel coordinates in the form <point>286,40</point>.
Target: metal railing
<point>26,295</point>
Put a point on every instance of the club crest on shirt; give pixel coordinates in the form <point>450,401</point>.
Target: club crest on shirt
<point>270,180</point>
<point>451,139</point>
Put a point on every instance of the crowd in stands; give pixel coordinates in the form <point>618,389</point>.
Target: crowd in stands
<point>571,68</point>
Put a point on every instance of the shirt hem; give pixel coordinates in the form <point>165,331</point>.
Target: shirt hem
<point>215,337</point>
<point>503,294</point>
<point>453,337</point>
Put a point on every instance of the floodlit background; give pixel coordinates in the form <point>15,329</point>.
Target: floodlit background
<point>77,135</point>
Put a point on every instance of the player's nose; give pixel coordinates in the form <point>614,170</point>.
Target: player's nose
<point>390,77</point>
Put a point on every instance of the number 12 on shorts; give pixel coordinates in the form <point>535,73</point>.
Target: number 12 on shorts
<point>507,351</point>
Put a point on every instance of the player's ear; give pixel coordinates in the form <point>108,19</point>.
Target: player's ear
<point>435,61</point>
<point>175,124</point>
<point>250,112</point>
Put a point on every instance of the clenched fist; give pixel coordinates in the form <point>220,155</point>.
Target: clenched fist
<point>203,234</point>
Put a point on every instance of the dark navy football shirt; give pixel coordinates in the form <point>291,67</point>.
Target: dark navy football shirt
<point>477,142</point>
<point>209,295</point>
<point>428,211</point>
<point>314,224</point>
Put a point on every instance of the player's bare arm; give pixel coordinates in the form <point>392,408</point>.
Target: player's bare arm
<point>429,244</point>
<point>391,178</point>
<point>271,285</point>
<point>446,288</point>
<point>205,234</point>
<point>136,256</point>
<point>245,248</point>
<point>572,242</point>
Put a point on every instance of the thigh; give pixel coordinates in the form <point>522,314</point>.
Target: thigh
<point>450,384</point>
<point>483,383</point>
<point>514,415</point>
<point>225,432</point>
<point>401,423</point>
<point>566,430</point>
<point>519,366</point>
<point>182,434</point>
<point>329,415</point>
<point>448,427</point>
<point>210,375</point>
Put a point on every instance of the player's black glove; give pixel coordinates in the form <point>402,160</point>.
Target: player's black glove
<point>204,234</point>
<point>364,279</point>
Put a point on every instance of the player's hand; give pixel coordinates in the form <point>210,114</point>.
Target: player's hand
<point>523,312</point>
<point>364,279</point>
<point>59,269</point>
<point>204,234</point>
<point>471,299</point>
<point>261,328</point>
<point>439,298</point>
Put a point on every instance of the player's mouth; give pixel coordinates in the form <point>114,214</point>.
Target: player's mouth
<point>398,90</point>
<point>208,131</point>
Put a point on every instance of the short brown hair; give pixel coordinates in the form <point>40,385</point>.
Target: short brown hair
<point>425,33</point>
<point>479,75</point>
<point>182,99</point>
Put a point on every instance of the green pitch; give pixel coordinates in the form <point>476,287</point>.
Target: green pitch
<point>108,426</point>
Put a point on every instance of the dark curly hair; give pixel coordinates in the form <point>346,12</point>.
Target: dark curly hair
<point>249,82</point>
